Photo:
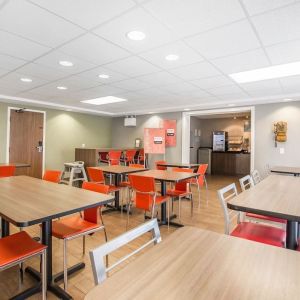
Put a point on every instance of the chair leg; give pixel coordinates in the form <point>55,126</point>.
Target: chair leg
<point>192,205</point>
<point>199,196</point>
<point>179,209</point>
<point>168,214</point>
<point>44,272</point>
<point>128,212</point>
<point>83,244</point>
<point>65,266</point>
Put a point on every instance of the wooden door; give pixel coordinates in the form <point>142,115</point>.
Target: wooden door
<point>26,141</point>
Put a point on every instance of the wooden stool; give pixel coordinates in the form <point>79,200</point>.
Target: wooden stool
<point>73,172</point>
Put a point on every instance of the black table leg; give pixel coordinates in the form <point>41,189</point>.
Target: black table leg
<point>4,228</point>
<point>291,235</point>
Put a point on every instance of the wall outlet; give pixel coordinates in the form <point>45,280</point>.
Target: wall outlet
<point>281,150</point>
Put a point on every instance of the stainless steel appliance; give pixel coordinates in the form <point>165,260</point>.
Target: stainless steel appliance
<point>220,141</point>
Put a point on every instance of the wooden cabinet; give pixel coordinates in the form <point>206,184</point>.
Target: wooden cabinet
<point>228,163</point>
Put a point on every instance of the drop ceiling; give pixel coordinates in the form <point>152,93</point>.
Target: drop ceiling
<point>212,38</point>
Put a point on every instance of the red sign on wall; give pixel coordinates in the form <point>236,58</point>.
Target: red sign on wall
<point>154,140</point>
<point>170,131</point>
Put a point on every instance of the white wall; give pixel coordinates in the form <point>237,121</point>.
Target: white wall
<point>265,151</point>
<point>125,136</point>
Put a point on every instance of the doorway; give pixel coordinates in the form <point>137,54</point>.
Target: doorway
<point>26,140</point>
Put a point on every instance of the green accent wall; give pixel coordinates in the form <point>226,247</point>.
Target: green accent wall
<point>65,131</point>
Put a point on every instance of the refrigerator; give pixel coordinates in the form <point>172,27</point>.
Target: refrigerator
<point>220,141</point>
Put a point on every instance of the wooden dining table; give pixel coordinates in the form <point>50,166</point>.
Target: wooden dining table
<point>275,196</point>
<point>26,201</point>
<point>164,177</point>
<point>286,170</point>
<point>118,171</point>
<point>198,264</point>
<point>178,165</point>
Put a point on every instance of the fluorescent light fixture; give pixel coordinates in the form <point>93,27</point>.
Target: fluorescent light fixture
<point>186,109</point>
<point>278,71</point>
<point>287,100</point>
<point>66,63</point>
<point>136,35</point>
<point>104,76</point>
<point>104,100</point>
<point>62,88</point>
<point>26,79</point>
<point>172,57</point>
<point>231,105</point>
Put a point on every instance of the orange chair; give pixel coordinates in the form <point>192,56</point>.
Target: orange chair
<point>114,157</point>
<point>52,176</point>
<point>7,171</point>
<point>181,189</point>
<point>18,247</point>
<point>141,157</point>
<point>201,180</point>
<point>129,157</point>
<point>146,197</point>
<point>160,167</point>
<point>76,226</point>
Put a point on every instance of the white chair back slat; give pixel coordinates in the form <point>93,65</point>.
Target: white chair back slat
<point>256,177</point>
<point>246,182</point>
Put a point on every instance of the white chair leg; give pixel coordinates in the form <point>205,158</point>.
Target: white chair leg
<point>65,266</point>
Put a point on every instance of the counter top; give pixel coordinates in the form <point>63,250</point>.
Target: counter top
<point>232,152</point>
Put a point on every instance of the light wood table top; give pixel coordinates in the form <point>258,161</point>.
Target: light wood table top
<point>25,201</point>
<point>17,165</point>
<point>197,264</point>
<point>286,170</point>
<point>167,176</point>
<point>119,169</point>
<point>179,165</point>
<point>276,196</point>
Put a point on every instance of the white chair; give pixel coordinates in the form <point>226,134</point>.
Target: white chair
<point>247,230</point>
<point>73,172</point>
<point>256,177</point>
<point>246,182</point>
<point>98,255</point>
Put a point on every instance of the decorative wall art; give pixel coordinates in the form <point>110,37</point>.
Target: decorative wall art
<point>280,132</point>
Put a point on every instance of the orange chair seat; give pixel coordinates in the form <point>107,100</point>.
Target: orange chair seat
<point>260,233</point>
<point>18,246</point>
<point>70,226</point>
<point>177,193</point>
<point>266,218</point>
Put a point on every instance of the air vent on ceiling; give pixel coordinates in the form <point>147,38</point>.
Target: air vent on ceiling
<point>130,121</point>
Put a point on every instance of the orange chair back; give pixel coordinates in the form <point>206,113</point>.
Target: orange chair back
<point>92,214</point>
<point>114,157</point>
<point>144,188</point>
<point>160,167</point>
<point>7,171</point>
<point>136,166</point>
<point>202,169</point>
<point>96,175</point>
<point>182,185</point>
<point>52,176</point>
<point>129,155</point>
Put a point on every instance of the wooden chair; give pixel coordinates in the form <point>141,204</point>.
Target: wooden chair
<point>18,247</point>
<point>70,228</point>
<point>256,177</point>
<point>247,230</point>
<point>97,255</point>
<point>246,183</point>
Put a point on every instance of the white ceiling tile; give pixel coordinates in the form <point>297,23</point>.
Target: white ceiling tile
<point>224,90</point>
<point>279,25</point>
<point>182,87</point>
<point>132,66</point>
<point>102,91</point>
<point>224,41</point>
<point>77,82</point>
<point>137,19</point>
<point>211,82</point>
<point>159,78</point>
<point>132,84</point>
<point>284,53</point>
<point>263,88</point>
<point>52,60</point>
<point>185,53</point>
<point>40,71</point>
<point>95,11</point>
<point>10,63</point>
<point>259,6</point>
<point>188,17</point>
<point>13,45</point>
<point>291,84</point>
<point>245,61</point>
<point>94,49</point>
<point>27,20</point>
<point>3,72</point>
<point>196,71</point>
<point>233,96</point>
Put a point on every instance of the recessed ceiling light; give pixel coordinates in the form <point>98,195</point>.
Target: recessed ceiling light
<point>187,109</point>
<point>26,79</point>
<point>136,35</point>
<point>172,57</point>
<point>66,63</point>
<point>104,76</point>
<point>278,71</point>
<point>231,104</point>
<point>287,100</point>
<point>104,100</point>
<point>61,87</point>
